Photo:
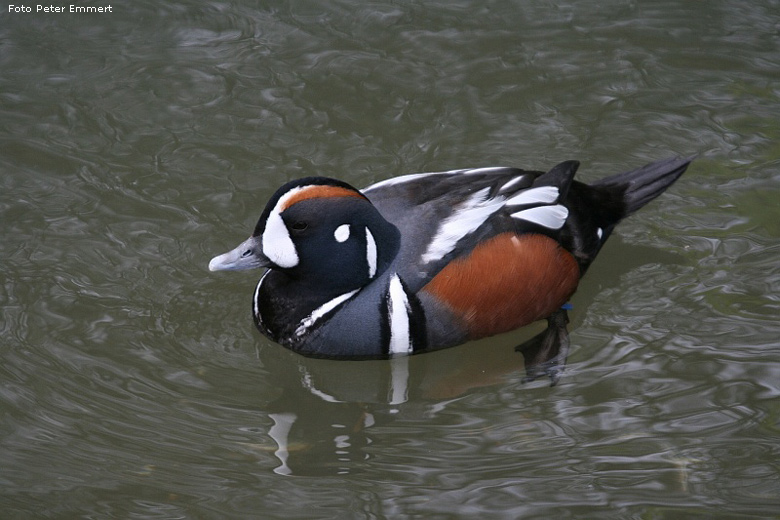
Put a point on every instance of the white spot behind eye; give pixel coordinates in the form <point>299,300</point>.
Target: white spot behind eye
<point>342,233</point>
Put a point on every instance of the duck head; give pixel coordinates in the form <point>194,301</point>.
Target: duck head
<point>320,230</point>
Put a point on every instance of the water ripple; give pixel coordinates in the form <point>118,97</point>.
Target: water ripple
<point>135,147</point>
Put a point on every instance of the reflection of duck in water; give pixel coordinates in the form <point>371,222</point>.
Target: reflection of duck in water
<point>428,261</point>
<point>327,423</point>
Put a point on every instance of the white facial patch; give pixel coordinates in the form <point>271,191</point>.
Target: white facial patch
<point>398,315</point>
<point>551,217</point>
<point>371,254</point>
<point>466,218</point>
<point>277,244</point>
<point>342,233</point>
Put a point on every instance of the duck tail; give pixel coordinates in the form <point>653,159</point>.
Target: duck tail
<point>595,209</point>
<point>644,184</point>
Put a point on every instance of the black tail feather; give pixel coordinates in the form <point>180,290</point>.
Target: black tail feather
<point>595,209</point>
<point>646,183</point>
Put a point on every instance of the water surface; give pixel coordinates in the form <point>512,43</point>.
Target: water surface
<point>137,144</point>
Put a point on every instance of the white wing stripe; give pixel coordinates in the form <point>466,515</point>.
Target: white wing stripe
<point>490,169</point>
<point>541,195</point>
<point>466,218</point>
<point>511,183</point>
<point>399,180</point>
<point>551,217</point>
<point>413,176</point>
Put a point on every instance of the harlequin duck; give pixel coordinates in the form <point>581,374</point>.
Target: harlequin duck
<point>432,260</point>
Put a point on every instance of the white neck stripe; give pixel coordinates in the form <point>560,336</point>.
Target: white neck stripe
<point>371,254</point>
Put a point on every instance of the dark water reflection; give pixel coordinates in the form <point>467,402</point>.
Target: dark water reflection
<point>137,144</point>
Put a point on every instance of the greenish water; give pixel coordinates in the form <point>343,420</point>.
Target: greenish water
<point>136,144</point>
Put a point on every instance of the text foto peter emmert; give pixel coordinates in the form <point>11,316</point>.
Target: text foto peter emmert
<point>40,8</point>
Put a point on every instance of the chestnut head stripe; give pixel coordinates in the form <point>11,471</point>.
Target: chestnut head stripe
<point>316,192</point>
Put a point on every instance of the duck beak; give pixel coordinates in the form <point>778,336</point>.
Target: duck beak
<point>248,255</point>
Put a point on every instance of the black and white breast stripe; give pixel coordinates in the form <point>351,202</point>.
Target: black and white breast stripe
<point>402,320</point>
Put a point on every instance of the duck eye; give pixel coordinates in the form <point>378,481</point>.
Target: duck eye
<point>299,225</point>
